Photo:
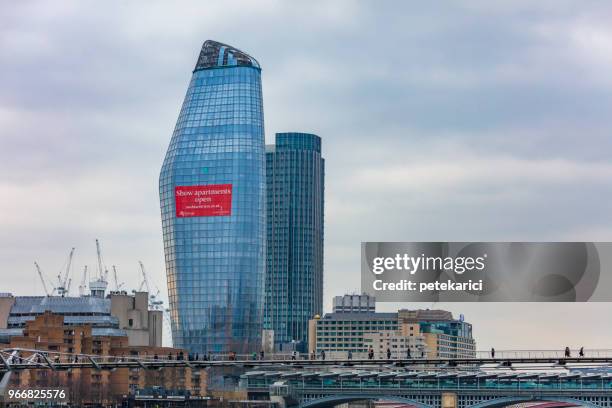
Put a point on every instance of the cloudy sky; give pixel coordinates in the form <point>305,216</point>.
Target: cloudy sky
<point>467,121</point>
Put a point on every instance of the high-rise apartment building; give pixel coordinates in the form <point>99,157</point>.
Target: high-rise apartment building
<point>295,173</point>
<point>212,193</point>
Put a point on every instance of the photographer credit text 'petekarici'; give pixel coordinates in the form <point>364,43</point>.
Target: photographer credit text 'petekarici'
<point>487,272</point>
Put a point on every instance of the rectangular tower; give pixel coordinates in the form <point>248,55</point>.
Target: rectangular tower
<point>295,174</point>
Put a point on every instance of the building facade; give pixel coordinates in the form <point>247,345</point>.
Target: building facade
<point>400,346</point>
<point>295,181</point>
<point>49,332</point>
<point>339,333</point>
<point>451,339</point>
<point>426,333</point>
<point>212,195</point>
<point>117,314</point>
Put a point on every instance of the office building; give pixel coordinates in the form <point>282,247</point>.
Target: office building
<point>295,174</point>
<point>354,304</point>
<point>212,196</point>
<point>444,336</point>
<point>339,333</point>
<point>452,339</point>
<point>116,315</point>
<point>427,333</point>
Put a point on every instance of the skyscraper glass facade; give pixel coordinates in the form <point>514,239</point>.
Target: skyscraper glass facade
<point>212,194</point>
<point>295,173</point>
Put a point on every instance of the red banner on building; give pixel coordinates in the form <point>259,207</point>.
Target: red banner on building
<point>203,201</point>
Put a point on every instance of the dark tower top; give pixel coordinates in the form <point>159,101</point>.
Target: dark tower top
<point>215,54</point>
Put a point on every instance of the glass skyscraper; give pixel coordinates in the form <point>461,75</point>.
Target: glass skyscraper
<point>212,194</point>
<point>295,174</point>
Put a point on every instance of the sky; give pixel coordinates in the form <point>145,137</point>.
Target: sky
<point>453,121</point>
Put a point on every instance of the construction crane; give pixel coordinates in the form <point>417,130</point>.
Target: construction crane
<point>42,278</point>
<point>102,270</point>
<point>63,283</point>
<point>98,285</point>
<point>117,284</point>
<point>154,303</point>
<point>145,281</point>
<point>68,285</point>
<point>83,284</point>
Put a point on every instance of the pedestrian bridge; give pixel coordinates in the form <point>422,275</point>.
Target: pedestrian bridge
<point>431,389</point>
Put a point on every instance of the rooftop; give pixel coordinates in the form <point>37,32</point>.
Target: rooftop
<point>216,55</point>
<point>26,305</point>
<point>359,316</point>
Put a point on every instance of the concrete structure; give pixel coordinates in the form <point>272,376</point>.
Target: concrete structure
<point>143,326</point>
<point>212,199</point>
<point>267,341</point>
<point>397,343</point>
<point>295,181</point>
<point>118,314</point>
<point>7,300</point>
<point>363,303</point>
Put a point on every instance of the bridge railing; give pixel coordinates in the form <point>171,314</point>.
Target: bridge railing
<point>46,357</point>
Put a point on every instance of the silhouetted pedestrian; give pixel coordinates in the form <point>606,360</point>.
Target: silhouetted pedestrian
<point>408,353</point>
<point>371,354</point>
<point>492,352</point>
<point>388,353</point>
<point>350,355</point>
<point>567,352</point>
<point>155,356</point>
<point>581,352</point>
<point>261,355</point>
<point>322,354</point>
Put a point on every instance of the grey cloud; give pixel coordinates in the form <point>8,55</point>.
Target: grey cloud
<point>491,118</point>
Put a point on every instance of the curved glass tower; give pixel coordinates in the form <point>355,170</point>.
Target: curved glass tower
<point>212,194</point>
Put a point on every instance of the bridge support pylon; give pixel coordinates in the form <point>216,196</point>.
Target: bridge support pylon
<point>448,400</point>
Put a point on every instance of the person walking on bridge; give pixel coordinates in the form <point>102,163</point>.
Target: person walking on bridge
<point>350,355</point>
<point>567,352</point>
<point>581,352</point>
<point>492,352</point>
<point>388,353</point>
<point>322,354</point>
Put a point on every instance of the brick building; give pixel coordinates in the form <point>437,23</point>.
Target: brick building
<point>87,385</point>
